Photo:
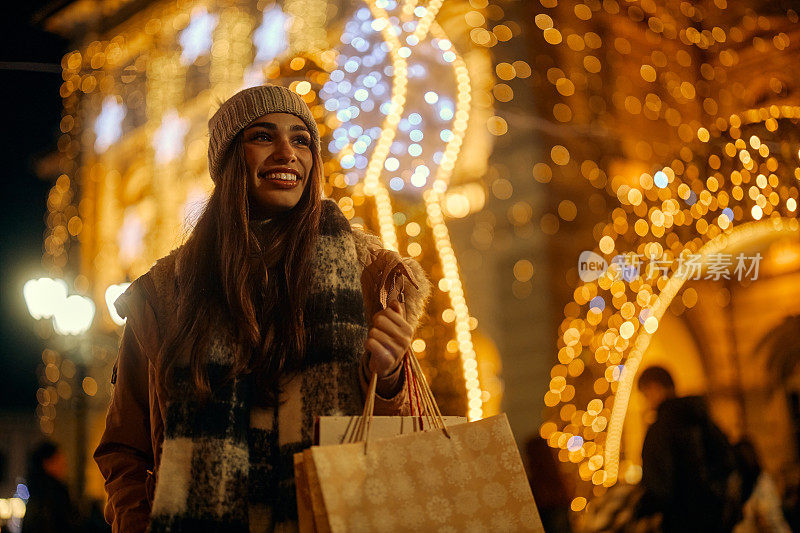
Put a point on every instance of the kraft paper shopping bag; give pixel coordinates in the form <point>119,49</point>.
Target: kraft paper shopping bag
<point>464,477</point>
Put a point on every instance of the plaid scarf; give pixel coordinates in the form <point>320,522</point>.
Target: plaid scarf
<point>227,466</point>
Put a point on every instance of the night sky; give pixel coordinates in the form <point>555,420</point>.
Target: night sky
<point>31,112</point>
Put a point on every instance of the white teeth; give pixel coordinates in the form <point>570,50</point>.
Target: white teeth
<point>285,176</point>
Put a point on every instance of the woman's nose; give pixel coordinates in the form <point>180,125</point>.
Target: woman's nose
<point>284,151</point>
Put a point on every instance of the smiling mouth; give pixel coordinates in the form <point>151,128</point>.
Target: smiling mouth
<point>280,176</point>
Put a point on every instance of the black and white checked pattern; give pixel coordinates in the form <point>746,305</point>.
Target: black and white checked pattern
<point>227,468</point>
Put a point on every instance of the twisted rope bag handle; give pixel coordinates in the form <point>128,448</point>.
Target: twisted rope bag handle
<point>418,387</point>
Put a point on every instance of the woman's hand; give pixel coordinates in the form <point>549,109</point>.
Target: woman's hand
<point>388,339</point>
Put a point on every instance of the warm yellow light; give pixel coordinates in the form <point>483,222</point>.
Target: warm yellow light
<point>414,249</point>
<point>425,22</point>
<point>372,184</point>
<point>523,270</point>
<point>462,112</point>
<point>559,155</point>
<point>578,504</point>
<point>606,245</point>
<point>302,88</point>
<point>750,232</point>
<point>433,197</point>
<point>700,204</point>
<point>413,229</point>
<point>458,303</point>
<point>456,205</point>
<point>89,386</point>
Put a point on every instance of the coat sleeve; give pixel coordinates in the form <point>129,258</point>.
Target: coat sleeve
<point>125,452</point>
<point>391,397</point>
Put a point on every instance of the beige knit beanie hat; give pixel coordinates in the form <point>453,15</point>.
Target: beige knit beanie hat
<point>244,107</point>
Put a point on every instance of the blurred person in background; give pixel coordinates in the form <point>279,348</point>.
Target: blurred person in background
<point>49,508</point>
<point>762,510</point>
<point>688,466</point>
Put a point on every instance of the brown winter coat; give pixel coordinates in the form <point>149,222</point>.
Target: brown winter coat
<point>128,454</point>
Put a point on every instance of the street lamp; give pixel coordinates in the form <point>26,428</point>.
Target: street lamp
<point>72,317</point>
<point>46,298</point>
<point>43,296</point>
<point>12,509</point>
<point>112,293</point>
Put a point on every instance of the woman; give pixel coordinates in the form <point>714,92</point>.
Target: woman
<point>266,318</point>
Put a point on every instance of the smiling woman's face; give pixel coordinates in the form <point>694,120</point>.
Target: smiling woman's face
<point>277,148</point>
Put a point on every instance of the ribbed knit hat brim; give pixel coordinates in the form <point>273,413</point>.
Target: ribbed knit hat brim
<point>243,108</point>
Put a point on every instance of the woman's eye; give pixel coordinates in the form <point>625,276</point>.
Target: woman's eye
<point>263,136</point>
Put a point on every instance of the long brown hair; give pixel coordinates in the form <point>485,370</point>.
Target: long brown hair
<point>223,282</point>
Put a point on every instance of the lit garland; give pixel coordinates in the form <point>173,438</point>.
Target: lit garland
<point>462,113</point>
<point>360,31</point>
<point>428,14</point>
<point>746,233</point>
<point>441,235</point>
<point>408,8</point>
<point>657,305</point>
<point>233,47</point>
<point>376,163</point>
<point>456,293</point>
<point>618,341</point>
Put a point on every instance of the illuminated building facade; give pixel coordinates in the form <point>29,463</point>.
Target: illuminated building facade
<point>494,142</point>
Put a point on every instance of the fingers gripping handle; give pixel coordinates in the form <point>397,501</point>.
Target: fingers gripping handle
<point>426,405</point>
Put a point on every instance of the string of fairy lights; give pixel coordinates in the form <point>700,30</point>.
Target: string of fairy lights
<point>352,141</point>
